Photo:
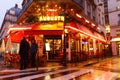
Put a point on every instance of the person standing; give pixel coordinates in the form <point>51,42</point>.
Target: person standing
<point>24,53</point>
<point>33,52</point>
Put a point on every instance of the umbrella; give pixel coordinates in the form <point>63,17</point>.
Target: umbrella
<point>2,48</point>
<point>9,45</point>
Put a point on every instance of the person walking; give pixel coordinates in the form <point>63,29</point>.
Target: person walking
<point>33,52</point>
<point>24,53</point>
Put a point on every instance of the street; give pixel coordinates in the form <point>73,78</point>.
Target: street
<point>107,69</point>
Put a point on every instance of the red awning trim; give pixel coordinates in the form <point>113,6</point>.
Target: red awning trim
<point>16,37</point>
<point>19,28</point>
<point>86,33</point>
<point>44,32</point>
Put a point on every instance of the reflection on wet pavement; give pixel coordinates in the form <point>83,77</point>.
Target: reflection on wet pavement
<point>109,65</point>
<point>103,70</point>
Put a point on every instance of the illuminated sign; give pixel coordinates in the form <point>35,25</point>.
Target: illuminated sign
<point>47,46</point>
<point>48,26</point>
<point>116,39</point>
<point>51,18</point>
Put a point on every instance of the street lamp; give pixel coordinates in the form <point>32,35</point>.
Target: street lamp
<point>65,38</point>
<point>64,50</point>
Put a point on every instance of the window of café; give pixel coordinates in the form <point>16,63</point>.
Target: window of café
<point>91,51</point>
<point>85,46</point>
<point>55,45</point>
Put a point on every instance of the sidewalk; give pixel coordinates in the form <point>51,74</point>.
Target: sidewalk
<point>79,64</point>
<point>49,64</point>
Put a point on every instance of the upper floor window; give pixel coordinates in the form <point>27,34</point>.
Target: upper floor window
<point>106,19</point>
<point>12,12</point>
<point>93,13</point>
<point>80,2</point>
<point>13,18</point>
<point>7,17</point>
<point>117,0</point>
<point>99,19</point>
<point>118,7</point>
<point>118,19</point>
<point>88,10</point>
<point>117,32</point>
<point>105,9</point>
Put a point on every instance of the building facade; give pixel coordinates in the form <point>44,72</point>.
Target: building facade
<point>113,24</point>
<point>9,19</point>
<point>64,28</point>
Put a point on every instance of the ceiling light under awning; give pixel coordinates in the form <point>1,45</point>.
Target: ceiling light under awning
<point>86,33</point>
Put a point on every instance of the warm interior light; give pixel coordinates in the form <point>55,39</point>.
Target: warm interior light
<point>93,24</point>
<point>87,21</point>
<point>51,18</point>
<point>71,9</point>
<point>18,29</point>
<point>78,15</point>
<point>66,30</point>
<point>98,28</point>
<point>107,28</point>
<point>115,39</point>
<point>85,33</point>
<point>47,46</point>
<point>52,10</point>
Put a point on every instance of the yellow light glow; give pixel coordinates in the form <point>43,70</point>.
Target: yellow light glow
<point>87,21</point>
<point>71,9</point>
<point>18,29</point>
<point>51,18</point>
<point>108,29</point>
<point>85,33</point>
<point>40,18</point>
<point>55,26</point>
<point>66,30</point>
<point>93,24</point>
<point>78,15</point>
<point>115,39</point>
<point>62,18</point>
<point>47,46</point>
<point>55,18</point>
<point>39,9</point>
<point>98,28</point>
<point>48,18</point>
<point>47,77</point>
<point>52,9</point>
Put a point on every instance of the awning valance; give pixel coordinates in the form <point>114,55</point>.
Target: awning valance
<point>15,37</point>
<point>44,32</point>
<point>84,30</point>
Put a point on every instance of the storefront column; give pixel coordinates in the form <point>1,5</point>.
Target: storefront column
<point>80,43</point>
<point>99,48</point>
<point>94,46</point>
<point>114,48</point>
<point>39,40</point>
<point>69,50</point>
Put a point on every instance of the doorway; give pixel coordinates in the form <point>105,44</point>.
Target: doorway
<point>55,47</point>
<point>118,48</point>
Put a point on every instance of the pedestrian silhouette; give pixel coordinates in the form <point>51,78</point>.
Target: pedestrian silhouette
<point>24,52</point>
<point>33,52</point>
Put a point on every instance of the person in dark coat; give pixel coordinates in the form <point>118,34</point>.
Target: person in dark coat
<point>24,53</point>
<point>33,52</point>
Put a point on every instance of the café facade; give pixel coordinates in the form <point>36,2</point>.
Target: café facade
<point>55,27</point>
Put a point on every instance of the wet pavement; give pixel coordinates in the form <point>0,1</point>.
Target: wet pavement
<point>102,69</point>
